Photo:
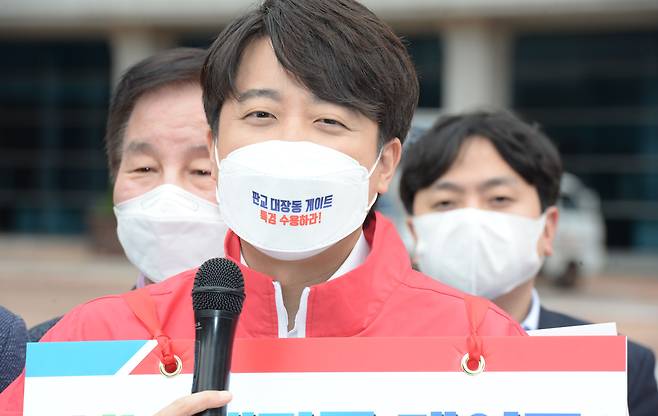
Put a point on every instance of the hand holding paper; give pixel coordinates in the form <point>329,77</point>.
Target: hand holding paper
<point>196,403</point>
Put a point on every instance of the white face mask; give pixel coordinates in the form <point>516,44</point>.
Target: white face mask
<point>292,199</point>
<point>169,230</point>
<point>480,252</point>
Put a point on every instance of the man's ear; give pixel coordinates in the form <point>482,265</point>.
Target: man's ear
<point>545,243</point>
<point>388,162</point>
<point>212,152</point>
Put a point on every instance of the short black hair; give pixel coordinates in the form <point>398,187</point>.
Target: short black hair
<point>523,146</point>
<point>178,66</point>
<point>338,49</point>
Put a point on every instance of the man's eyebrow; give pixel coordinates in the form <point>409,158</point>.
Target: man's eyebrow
<point>257,93</point>
<point>198,150</point>
<point>351,110</point>
<point>447,186</point>
<point>139,147</point>
<point>500,181</point>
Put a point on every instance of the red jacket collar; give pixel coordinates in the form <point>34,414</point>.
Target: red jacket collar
<point>343,306</point>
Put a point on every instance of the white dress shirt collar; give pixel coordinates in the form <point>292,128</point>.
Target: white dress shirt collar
<point>356,258</point>
<point>531,321</point>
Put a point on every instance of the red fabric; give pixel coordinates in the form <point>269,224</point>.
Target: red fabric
<point>369,354</point>
<point>476,310</point>
<point>142,305</point>
<point>383,297</point>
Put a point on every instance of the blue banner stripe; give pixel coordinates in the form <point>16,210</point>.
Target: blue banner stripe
<point>90,358</point>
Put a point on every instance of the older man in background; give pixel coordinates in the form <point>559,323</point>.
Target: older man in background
<point>158,160</point>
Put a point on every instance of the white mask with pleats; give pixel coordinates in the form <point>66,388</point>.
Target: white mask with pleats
<point>292,199</point>
<point>480,252</point>
<point>169,230</point>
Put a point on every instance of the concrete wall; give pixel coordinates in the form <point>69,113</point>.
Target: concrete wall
<point>100,13</point>
<point>475,33</point>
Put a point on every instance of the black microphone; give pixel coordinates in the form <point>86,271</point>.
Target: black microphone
<point>217,299</point>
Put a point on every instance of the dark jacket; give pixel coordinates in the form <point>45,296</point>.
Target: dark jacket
<point>35,333</point>
<point>13,336</point>
<point>642,390</point>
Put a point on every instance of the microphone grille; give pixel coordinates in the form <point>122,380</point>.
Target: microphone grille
<point>218,285</point>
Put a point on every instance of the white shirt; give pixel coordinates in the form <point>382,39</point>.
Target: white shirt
<point>531,321</point>
<point>356,258</point>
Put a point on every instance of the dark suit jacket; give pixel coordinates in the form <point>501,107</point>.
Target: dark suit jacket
<point>13,336</point>
<point>35,333</point>
<point>642,390</point>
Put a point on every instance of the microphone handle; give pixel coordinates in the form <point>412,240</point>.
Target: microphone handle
<point>215,331</point>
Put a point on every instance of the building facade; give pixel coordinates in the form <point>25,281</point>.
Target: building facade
<point>585,70</point>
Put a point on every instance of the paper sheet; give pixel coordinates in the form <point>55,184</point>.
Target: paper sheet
<point>608,328</point>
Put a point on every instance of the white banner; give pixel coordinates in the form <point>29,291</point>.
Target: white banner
<point>523,376</point>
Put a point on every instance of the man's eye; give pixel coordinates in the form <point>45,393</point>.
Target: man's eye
<point>331,122</point>
<point>144,169</point>
<point>444,204</point>
<point>501,200</point>
<point>259,114</point>
<point>200,172</point>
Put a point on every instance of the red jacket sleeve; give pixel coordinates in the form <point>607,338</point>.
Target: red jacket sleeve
<point>11,398</point>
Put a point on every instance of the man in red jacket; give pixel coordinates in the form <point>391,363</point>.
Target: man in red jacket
<point>307,102</point>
